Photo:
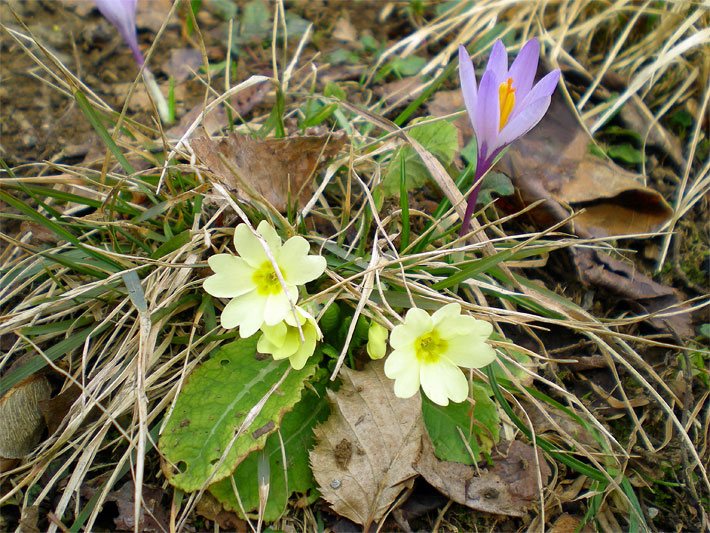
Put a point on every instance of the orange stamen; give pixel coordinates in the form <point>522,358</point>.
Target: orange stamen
<point>506,96</point>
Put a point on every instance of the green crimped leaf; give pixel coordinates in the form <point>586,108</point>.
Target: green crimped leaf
<point>497,183</point>
<point>440,138</point>
<point>214,403</point>
<point>296,432</point>
<point>479,425</point>
<point>626,152</point>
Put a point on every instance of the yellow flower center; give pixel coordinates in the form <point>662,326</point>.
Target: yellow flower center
<point>429,347</point>
<point>506,96</point>
<point>266,280</point>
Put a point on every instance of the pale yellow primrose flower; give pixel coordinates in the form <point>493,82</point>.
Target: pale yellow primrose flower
<point>283,340</point>
<point>377,341</point>
<point>428,351</point>
<point>258,297</point>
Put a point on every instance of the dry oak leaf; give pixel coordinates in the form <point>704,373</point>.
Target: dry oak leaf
<point>279,171</point>
<point>365,450</point>
<point>509,488</point>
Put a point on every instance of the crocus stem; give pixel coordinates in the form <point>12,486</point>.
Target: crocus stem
<point>482,167</point>
<point>157,96</point>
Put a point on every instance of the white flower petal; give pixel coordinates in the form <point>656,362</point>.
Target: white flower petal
<point>417,322</point>
<point>289,347</point>
<point>305,349</point>
<point>278,306</point>
<point>278,350</point>
<point>469,351</point>
<point>246,312</point>
<point>275,334</point>
<point>297,266</point>
<point>233,277</point>
<point>399,361</point>
<point>443,381</point>
<point>446,313</point>
<point>464,325</point>
<point>248,246</point>
<point>272,238</point>
<point>403,367</point>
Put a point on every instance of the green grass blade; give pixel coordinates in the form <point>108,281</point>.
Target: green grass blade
<point>93,117</point>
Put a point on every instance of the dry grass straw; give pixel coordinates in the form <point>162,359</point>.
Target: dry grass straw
<point>135,369</point>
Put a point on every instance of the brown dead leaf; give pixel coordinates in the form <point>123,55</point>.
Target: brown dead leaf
<point>21,423</point>
<point>210,507</point>
<point>40,234</point>
<point>276,170</point>
<point>54,410</point>
<point>552,419</point>
<point>567,523</point>
<point>509,488</point>
<point>154,516</point>
<point>363,459</point>
<point>29,520</point>
<point>641,293</point>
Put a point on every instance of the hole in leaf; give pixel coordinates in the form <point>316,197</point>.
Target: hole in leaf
<point>182,467</point>
<point>224,362</point>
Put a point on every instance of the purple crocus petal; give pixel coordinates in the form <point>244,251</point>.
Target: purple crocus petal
<point>523,69</point>
<point>468,84</point>
<point>545,87</point>
<point>498,61</point>
<point>487,114</point>
<point>122,14</point>
<point>524,121</point>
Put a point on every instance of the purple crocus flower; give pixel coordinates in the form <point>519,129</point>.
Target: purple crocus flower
<point>505,106</point>
<point>122,14</point>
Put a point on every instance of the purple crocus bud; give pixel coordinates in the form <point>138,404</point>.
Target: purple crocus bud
<point>505,106</point>
<point>122,14</point>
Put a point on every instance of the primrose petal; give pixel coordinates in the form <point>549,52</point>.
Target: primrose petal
<point>445,313</point>
<point>268,232</point>
<point>245,312</point>
<point>248,246</point>
<point>470,351</point>
<point>297,266</point>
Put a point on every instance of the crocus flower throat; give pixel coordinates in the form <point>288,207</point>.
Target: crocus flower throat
<point>506,96</point>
